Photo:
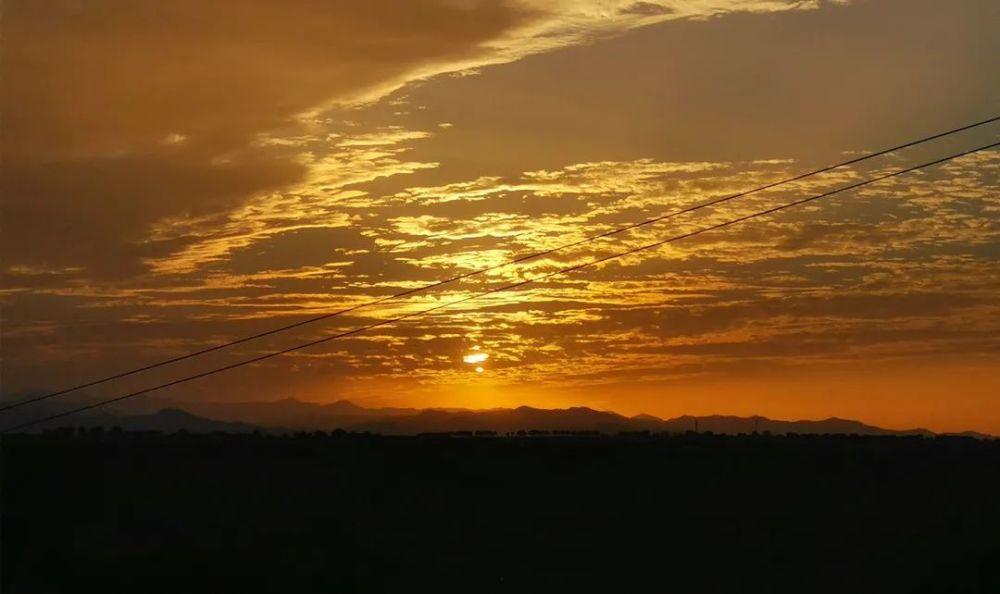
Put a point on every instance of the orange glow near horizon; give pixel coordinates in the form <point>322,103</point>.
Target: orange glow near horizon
<point>898,397</point>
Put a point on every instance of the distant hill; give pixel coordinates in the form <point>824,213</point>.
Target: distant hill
<point>502,420</point>
<point>296,415</point>
<point>586,419</point>
<point>292,413</point>
<point>168,420</point>
<point>736,425</point>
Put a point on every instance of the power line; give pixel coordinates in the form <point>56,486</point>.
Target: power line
<point>517,260</point>
<point>508,287</point>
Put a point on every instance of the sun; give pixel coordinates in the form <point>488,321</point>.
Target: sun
<point>476,357</point>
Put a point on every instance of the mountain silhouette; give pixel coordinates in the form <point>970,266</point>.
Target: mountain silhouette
<point>168,420</point>
<point>290,414</point>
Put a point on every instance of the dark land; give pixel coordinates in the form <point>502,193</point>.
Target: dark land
<point>115,511</point>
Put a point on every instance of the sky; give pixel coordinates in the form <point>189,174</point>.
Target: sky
<point>183,173</point>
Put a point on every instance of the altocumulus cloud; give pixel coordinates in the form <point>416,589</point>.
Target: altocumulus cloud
<point>119,114</point>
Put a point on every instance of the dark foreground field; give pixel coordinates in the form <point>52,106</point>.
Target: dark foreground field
<point>119,512</point>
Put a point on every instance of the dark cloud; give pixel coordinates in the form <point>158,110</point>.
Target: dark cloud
<point>94,212</point>
<point>118,113</point>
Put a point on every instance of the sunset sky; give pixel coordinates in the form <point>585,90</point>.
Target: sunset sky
<point>182,173</point>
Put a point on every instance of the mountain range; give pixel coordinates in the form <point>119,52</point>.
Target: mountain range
<point>295,415</point>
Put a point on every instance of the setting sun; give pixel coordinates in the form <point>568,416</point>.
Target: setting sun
<point>473,358</point>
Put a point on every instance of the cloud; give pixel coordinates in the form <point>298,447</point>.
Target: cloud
<point>108,76</point>
<point>120,114</point>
